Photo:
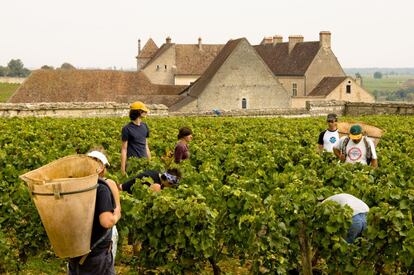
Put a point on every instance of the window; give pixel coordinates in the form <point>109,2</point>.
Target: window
<point>348,89</point>
<point>244,103</point>
<point>165,67</point>
<point>294,89</point>
<point>158,67</point>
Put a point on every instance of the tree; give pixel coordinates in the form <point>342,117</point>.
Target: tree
<point>377,75</point>
<point>3,71</point>
<point>16,68</point>
<point>67,66</point>
<point>358,75</point>
<point>47,67</point>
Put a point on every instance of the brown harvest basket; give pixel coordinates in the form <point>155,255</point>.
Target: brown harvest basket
<point>372,132</point>
<point>64,192</point>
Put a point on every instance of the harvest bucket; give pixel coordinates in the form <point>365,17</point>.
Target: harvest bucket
<point>372,132</point>
<point>64,192</point>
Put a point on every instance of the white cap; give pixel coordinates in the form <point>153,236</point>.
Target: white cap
<point>100,156</point>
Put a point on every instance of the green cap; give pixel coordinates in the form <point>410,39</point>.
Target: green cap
<point>355,132</point>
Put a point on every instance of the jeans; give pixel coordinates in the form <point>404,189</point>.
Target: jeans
<point>359,224</point>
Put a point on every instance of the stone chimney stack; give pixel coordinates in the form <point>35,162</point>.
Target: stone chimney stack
<point>325,39</point>
<point>267,40</point>
<point>139,46</point>
<point>168,40</point>
<point>293,39</point>
<point>277,39</point>
<point>200,46</point>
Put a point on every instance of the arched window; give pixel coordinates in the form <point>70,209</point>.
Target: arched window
<point>244,103</point>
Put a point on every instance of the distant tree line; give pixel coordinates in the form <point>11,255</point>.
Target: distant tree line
<point>15,68</point>
<point>64,66</point>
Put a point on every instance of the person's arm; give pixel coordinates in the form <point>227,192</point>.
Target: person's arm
<point>374,163</point>
<point>337,150</point>
<point>178,153</point>
<point>107,218</point>
<point>148,150</point>
<point>124,148</point>
<point>374,160</point>
<point>320,141</point>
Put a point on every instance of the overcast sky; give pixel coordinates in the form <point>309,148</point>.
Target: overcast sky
<point>104,33</point>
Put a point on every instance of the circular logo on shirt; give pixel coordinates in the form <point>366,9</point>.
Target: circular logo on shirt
<point>354,153</point>
<point>332,140</point>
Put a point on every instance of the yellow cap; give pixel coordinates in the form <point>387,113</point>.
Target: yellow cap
<point>138,105</point>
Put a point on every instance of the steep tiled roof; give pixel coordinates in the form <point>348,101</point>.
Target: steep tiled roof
<point>191,60</point>
<point>158,53</point>
<point>90,86</point>
<point>279,60</point>
<point>149,49</point>
<point>197,87</point>
<point>327,85</point>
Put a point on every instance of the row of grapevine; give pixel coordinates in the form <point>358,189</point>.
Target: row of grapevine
<point>251,191</point>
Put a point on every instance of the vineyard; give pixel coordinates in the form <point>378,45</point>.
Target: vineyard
<point>251,191</point>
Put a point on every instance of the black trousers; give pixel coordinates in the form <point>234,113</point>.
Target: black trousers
<point>101,263</point>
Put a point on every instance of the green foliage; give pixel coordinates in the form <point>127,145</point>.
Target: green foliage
<point>251,191</point>
<point>67,66</point>
<point>16,69</point>
<point>377,75</point>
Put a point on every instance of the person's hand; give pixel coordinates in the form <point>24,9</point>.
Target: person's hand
<point>342,157</point>
<point>117,213</point>
<point>155,187</point>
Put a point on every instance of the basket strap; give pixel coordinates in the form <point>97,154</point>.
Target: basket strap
<point>59,194</point>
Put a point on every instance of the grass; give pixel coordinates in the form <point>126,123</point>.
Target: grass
<point>6,90</point>
<point>46,263</point>
<point>387,83</point>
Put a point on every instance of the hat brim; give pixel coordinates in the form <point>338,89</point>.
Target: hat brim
<point>358,136</point>
<point>145,109</point>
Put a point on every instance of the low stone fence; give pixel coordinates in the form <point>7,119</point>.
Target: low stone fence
<point>361,108</point>
<point>16,80</point>
<point>75,109</point>
<point>112,109</point>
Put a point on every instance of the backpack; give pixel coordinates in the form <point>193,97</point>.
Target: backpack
<point>367,147</point>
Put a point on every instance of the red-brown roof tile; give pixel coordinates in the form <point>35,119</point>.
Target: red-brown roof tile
<point>327,85</point>
<point>149,49</point>
<point>89,86</point>
<point>282,63</point>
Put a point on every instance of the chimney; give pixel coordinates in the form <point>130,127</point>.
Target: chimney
<point>139,46</point>
<point>277,39</point>
<point>267,40</point>
<point>358,80</point>
<point>325,39</point>
<point>200,47</point>
<point>293,39</point>
<point>168,40</point>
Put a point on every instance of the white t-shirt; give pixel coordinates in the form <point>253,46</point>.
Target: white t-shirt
<point>356,204</point>
<point>357,152</point>
<point>328,139</point>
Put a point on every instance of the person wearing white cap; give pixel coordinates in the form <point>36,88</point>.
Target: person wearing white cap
<point>359,217</point>
<point>107,213</point>
<point>134,135</point>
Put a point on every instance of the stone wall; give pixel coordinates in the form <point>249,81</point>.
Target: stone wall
<point>17,80</point>
<point>76,109</point>
<point>111,109</point>
<point>362,108</point>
